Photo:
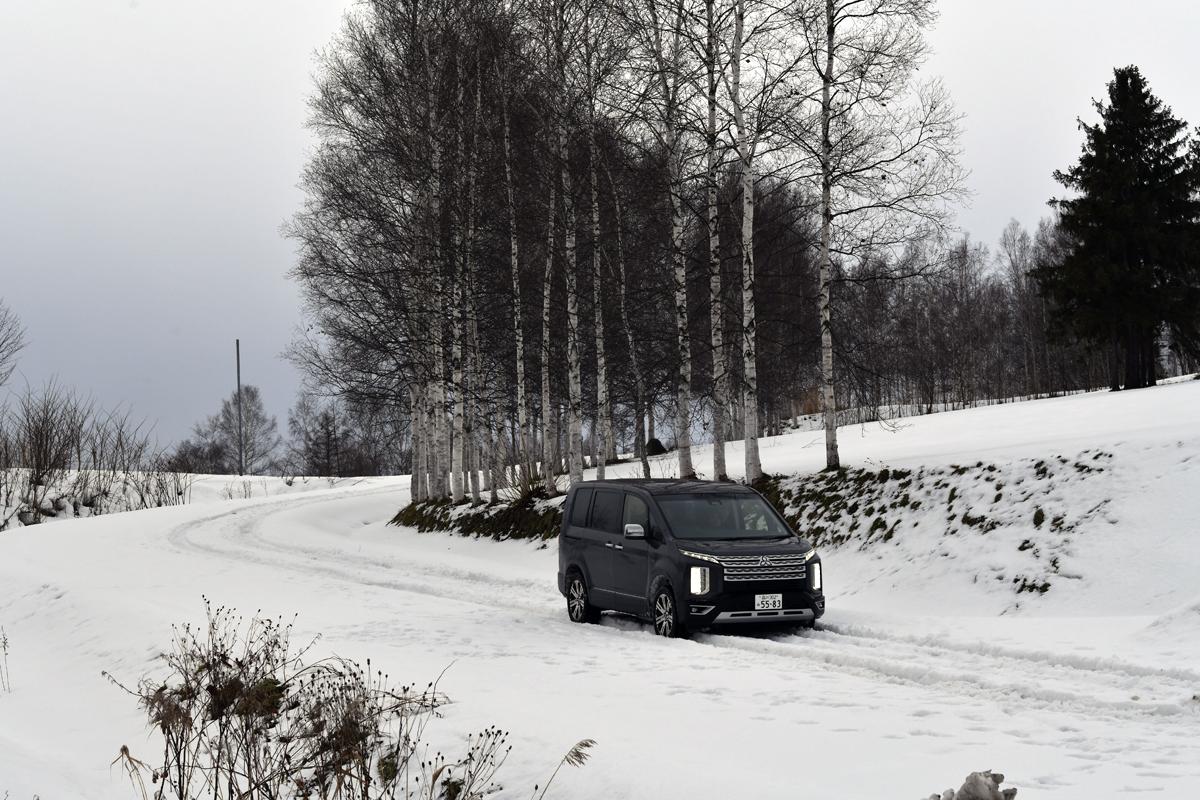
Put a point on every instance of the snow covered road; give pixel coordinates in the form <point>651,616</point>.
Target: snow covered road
<point>870,706</point>
<point>889,700</point>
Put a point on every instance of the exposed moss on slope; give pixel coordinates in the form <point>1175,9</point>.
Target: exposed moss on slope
<point>531,516</point>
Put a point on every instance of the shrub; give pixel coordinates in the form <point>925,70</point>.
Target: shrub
<point>60,456</point>
<point>242,713</point>
<point>655,448</point>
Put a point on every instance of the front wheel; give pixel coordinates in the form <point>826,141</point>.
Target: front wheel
<point>579,609</point>
<point>664,613</point>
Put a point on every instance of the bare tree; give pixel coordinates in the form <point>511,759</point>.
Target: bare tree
<point>662,59</point>
<point>713,143</point>
<point>260,432</point>
<point>12,341</point>
<point>765,88</point>
<point>886,147</point>
<point>639,378</point>
<point>524,453</point>
<point>715,22</point>
<point>602,55</point>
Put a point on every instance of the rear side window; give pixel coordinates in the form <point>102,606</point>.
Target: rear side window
<point>579,508</point>
<point>636,513</point>
<point>606,512</point>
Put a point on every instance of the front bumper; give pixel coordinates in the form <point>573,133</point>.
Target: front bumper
<point>800,606</point>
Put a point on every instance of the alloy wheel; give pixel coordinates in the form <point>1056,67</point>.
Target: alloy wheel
<point>664,614</point>
<point>577,600</point>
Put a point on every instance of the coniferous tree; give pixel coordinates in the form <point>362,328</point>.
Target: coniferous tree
<point>1134,229</point>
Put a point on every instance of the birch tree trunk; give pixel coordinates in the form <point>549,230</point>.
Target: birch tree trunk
<point>668,54</point>
<point>495,463</point>
<point>523,454</point>
<point>456,381</point>
<point>415,489</point>
<point>745,146</point>
<point>426,443</point>
<point>828,399</point>
<point>458,451</point>
<point>574,365</point>
<point>441,434</point>
<point>549,430</point>
<point>719,377</point>
<point>476,466</point>
<point>639,382</point>
<point>470,440</point>
<point>683,392</point>
<point>604,434</point>
<point>437,387</point>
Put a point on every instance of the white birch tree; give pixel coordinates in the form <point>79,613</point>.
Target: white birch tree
<point>660,29</point>
<point>886,146</point>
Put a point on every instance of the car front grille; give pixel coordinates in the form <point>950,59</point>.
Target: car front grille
<point>764,568</point>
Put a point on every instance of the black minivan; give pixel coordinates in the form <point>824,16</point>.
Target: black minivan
<point>687,555</point>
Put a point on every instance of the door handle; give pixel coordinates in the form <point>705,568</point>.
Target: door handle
<point>608,544</point>
<point>618,546</point>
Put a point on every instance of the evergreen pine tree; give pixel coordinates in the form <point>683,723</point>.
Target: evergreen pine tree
<point>1134,227</point>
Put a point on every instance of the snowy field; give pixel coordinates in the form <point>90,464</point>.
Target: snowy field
<point>922,673</point>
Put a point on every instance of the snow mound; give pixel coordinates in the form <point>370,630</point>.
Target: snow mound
<point>1182,621</point>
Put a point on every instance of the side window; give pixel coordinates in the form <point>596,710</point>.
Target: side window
<point>606,512</point>
<point>636,513</point>
<point>579,508</point>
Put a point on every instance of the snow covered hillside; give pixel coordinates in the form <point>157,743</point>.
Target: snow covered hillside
<point>928,666</point>
<point>95,493</point>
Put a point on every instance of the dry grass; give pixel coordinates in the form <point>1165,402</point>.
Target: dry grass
<point>5,675</point>
<point>577,756</point>
<point>244,713</point>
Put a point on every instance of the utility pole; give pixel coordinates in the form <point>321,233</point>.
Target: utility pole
<point>237,344</point>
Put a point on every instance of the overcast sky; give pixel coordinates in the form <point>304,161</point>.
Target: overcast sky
<point>149,152</point>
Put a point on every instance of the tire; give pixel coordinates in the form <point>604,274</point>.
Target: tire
<point>579,608</point>
<point>664,612</point>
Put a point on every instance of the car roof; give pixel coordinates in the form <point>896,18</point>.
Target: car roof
<point>667,486</point>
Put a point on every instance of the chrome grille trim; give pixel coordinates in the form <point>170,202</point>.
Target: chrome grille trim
<point>782,560</point>
<point>784,567</point>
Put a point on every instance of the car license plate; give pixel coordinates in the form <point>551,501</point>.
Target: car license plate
<point>768,602</point>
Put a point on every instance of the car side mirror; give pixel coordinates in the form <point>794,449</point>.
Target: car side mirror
<point>634,531</point>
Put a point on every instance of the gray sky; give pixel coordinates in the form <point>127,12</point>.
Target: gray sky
<point>149,152</point>
<point>1024,70</point>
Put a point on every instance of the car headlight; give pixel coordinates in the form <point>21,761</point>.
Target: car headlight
<point>810,555</point>
<point>816,577</point>
<point>702,556</point>
<point>699,580</point>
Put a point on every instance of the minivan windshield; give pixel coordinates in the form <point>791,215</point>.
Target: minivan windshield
<point>712,516</point>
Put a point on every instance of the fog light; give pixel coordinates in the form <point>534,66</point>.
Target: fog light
<point>699,580</point>
<point>816,573</point>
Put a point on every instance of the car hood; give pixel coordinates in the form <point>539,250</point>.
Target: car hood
<point>745,547</point>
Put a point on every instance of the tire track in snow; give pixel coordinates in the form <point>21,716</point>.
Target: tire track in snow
<point>1091,663</point>
<point>1090,687</point>
<point>958,668</point>
<point>244,540</point>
